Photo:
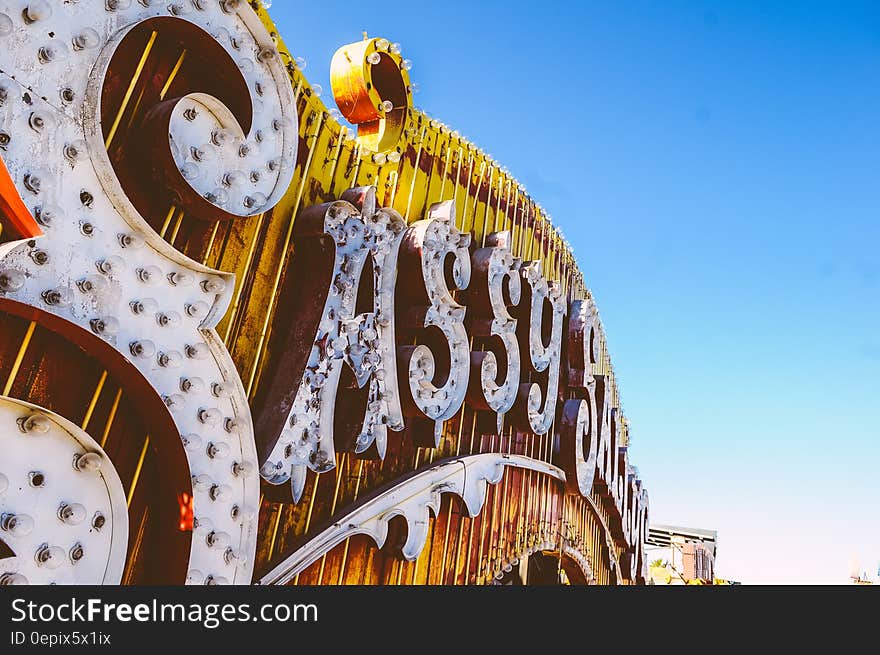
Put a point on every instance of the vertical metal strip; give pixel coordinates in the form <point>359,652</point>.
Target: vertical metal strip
<point>137,471</point>
<point>95,396</point>
<point>127,97</point>
<point>284,253</point>
<point>16,365</point>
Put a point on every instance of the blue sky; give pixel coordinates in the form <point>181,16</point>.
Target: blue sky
<point>715,165</point>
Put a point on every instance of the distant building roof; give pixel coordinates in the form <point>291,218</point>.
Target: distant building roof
<point>663,535</point>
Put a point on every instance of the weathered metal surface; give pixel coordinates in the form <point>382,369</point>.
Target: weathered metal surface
<point>411,499</point>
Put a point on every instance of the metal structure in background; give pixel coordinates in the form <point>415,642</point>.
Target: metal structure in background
<point>687,555</point>
<point>209,276</point>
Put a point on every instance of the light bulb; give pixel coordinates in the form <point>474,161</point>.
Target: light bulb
<point>146,306</point>
<point>195,577</point>
<point>245,149</point>
<point>387,106</point>
<point>11,281</point>
<point>222,137</point>
<point>189,171</point>
<point>50,556</point>
<point>88,462</point>
<point>72,514</point>
<point>283,124</point>
<point>192,385</point>
<point>205,152</point>
<point>107,326</point>
<point>221,492</point>
<point>180,278</point>
<point>6,25</point>
<point>244,514</point>
<point>222,389</point>
<point>18,525</point>
<point>406,65</point>
<point>243,468</point>
<point>76,151</point>
<point>32,181</point>
<point>202,482</point>
<point>9,579</point>
<point>198,351</point>
<point>168,319</point>
<point>210,416</point>
<point>118,5</point>
<point>174,402</point>
<point>53,50</point>
<point>214,285</point>
<point>40,257</point>
<point>278,164</point>
<point>86,39</point>
<point>180,9</point>
<point>38,10</point>
<point>35,424</point>
<point>112,265</point>
<point>144,349</point>
<point>234,179</point>
<point>218,196</point>
<point>255,201</point>
<point>192,442</point>
<point>198,309</point>
<point>374,58</point>
<point>235,425</point>
<point>94,284</point>
<point>131,241</point>
<point>217,450</point>
<point>170,359</point>
<point>149,274</point>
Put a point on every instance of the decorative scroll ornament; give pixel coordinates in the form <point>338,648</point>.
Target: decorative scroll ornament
<point>537,413</point>
<point>370,82</point>
<point>364,342</point>
<point>467,477</point>
<point>101,268</point>
<point>496,286</point>
<point>63,512</point>
<point>426,246</point>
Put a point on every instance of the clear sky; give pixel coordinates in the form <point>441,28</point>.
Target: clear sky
<point>715,166</point>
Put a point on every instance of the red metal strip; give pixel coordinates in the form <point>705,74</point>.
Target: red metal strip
<point>14,216</point>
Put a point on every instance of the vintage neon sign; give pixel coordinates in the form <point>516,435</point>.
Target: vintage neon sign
<point>434,255</point>
<point>396,326</point>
